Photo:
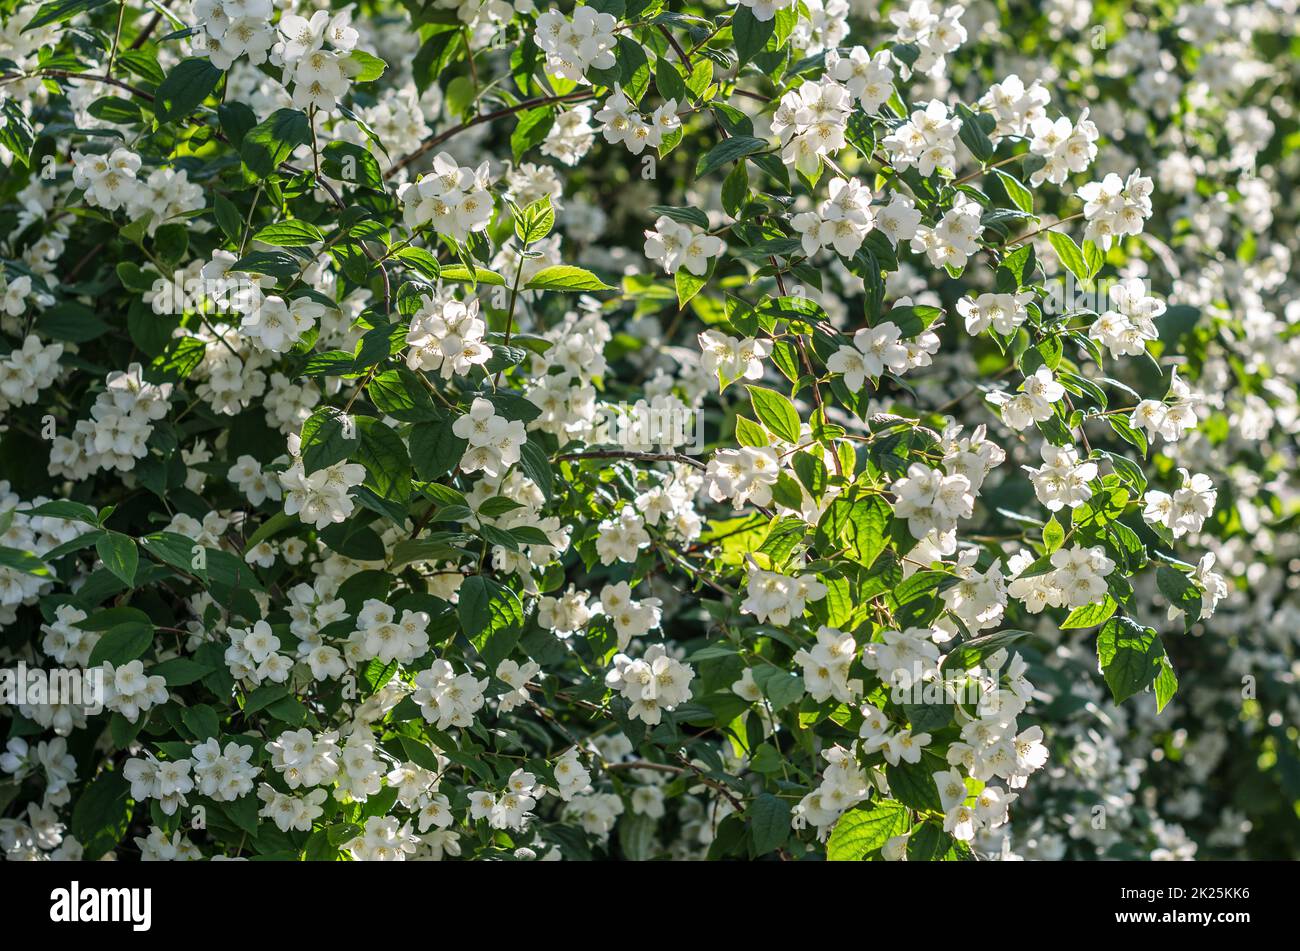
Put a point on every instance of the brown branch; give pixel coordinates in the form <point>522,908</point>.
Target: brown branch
<point>436,140</point>
<point>629,454</point>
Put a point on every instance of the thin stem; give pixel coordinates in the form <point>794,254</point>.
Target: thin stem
<point>436,140</point>
<point>629,454</point>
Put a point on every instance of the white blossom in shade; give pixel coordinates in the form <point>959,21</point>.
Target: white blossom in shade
<point>570,136</point>
<point>1080,574</point>
<point>128,690</point>
<point>1015,105</point>
<point>973,456</point>
<point>778,599</point>
<point>493,441</point>
<point>674,245</point>
<point>978,600</point>
<point>732,359</point>
<point>875,350</point>
<point>576,44</point>
<point>651,684</point>
<point>1186,509</point>
<point>1171,417</point>
<point>518,677</point>
<point>934,29</point>
<point>1066,148</point>
<point>932,500</point>
<point>843,785</point>
<point>954,239</point>
<point>867,77</point>
<point>571,777</point>
<point>109,180</point>
<point>905,658</point>
<point>1115,207</point>
<point>385,839</point>
<point>446,337</point>
<point>256,485</point>
<point>1002,312</point>
<point>841,222</point>
<point>223,773</point>
<point>826,666</point>
<point>1034,403</point>
<point>744,475</point>
<point>452,199</point>
<point>383,636</point>
<point>763,10</point>
<point>812,121</point>
<point>28,369</point>
<point>289,812</point>
<point>1062,480</point>
<point>567,614</point>
<point>926,141</point>
<point>622,537</point>
<point>899,220</point>
<point>630,617</point>
<point>322,497</point>
<point>306,759</point>
<point>277,326</point>
<point>446,698</point>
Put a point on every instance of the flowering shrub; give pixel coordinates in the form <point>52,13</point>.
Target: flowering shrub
<point>644,429</point>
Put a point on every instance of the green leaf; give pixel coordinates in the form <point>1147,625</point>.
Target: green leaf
<point>929,843</point>
<point>327,437</point>
<point>119,555</point>
<point>289,234</point>
<point>1019,195</point>
<point>382,452</point>
<point>1090,615</point>
<point>535,465</point>
<point>865,529</point>
<point>533,127</point>
<point>536,221</point>
<point>1131,657</point>
<point>188,84</point>
<point>780,686</point>
<point>435,449</point>
<point>369,67</point>
<point>862,831</point>
<point>202,720</point>
<point>24,561</point>
<point>776,413</point>
<point>751,34</point>
<point>491,616</point>
<point>122,643</point>
<point>974,134</point>
<point>1180,591</point>
<point>102,815</point>
<point>180,671</point>
<point>688,284</point>
<point>1053,535</point>
<point>1069,254</point>
<point>668,81</point>
<point>969,653</point>
<point>1166,684</point>
<point>769,822</point>
<point>271,142</point>
<point>913,783</point>
<point>1093,258</point>
<point>728,150</point>
<point>564,277</point>
<point>461,273</point>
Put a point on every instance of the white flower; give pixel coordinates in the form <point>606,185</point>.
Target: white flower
<point>674,245</point>
<point>655,683</point>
